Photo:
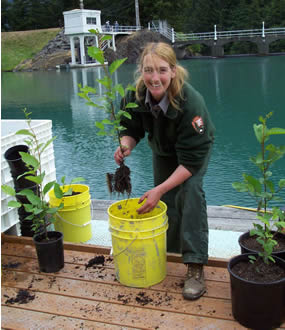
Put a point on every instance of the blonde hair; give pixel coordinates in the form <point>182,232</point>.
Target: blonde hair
<point>166,53</point>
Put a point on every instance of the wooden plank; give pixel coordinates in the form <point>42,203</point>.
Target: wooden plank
<point>173,284</point>
<point>95,249</point>
<point>77,258</point>
<point>216,286</point>
<point>180,316</point>
<point>15,318</point>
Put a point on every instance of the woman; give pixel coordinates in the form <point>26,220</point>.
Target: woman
<point>180,134</point>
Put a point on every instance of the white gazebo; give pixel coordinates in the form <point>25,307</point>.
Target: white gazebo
<point>77,24</point>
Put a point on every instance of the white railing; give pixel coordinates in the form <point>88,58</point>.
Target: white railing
<point>163,28</point>
<point>228,34</point>
<point>120,28</point>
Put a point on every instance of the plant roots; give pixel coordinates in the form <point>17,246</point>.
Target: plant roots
<point>120,182</point>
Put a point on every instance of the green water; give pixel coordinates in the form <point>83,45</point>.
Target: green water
<point>236,90</point>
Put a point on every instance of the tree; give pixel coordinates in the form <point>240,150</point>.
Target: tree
<point>5,7</point>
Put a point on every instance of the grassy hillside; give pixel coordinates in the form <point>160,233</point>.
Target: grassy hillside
<point>21,45</point>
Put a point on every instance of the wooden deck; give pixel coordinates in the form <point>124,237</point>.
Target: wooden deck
<point>80,297</point>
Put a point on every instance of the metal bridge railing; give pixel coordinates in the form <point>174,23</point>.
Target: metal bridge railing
<point>163,28</point>
<point>120,28</point>
<point>228,34</point>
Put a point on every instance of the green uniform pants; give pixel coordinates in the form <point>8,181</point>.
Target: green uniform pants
<point>187,211</point>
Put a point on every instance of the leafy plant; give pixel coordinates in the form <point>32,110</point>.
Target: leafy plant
<point>110,126</point>
<point>41,214</point>
<point>263,190</point>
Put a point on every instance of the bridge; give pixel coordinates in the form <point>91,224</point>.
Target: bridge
<point>79,22</point>
<point>217,39</point>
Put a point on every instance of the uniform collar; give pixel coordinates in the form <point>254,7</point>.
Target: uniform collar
<point>156,107</point>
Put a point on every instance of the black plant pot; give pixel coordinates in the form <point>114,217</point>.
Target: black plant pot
<point>245,249</point>
<point>25,225</point>
<point>255,305</point>
<point>14,159</point>
<point>50,252</point>
<point>26,228</point>
<point>18,167</point>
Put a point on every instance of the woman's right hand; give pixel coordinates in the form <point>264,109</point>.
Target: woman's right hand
<point>121,153</point>
<point>127,145</point>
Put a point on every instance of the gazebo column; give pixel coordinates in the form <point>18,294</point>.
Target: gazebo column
<point>72,48</point>
<point>82,50</point>
<point>113,41</point>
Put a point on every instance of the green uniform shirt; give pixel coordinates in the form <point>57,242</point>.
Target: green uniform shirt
<point>187,133</point>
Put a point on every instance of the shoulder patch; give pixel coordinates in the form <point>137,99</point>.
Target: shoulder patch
<point>198,124</point>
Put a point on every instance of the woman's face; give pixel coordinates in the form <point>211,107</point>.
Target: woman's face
<point>157,75</point>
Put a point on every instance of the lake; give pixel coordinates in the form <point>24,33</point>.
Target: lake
<point>236,90</point>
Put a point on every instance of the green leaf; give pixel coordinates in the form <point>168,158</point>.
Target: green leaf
<point>8,190</point>
<point>107,122</point>
<point>121,128</point>
<point>37,179</point>
<point>88,89</point>
<point>29,159</point>
<point>99,125</point>
<point>131,88</point>
<point>106,81</point>
<point>68,192</point>
<point>119,88</point>
<point>240,187</point>
<point>14,204</point>
<point>281,183</point>
<point>32,198</point>
<point>101,133</point>
<point>97,54</point>
<point>24,132</point>
<point>48,187</point>
<point>125,114</point>
<point>93,31</point>
<point>57,191</point>
<point>79,179</point>
<point>48,143</point>
<point>275,131</point>
<point>106,37</point>
<point>254,182</point>
<point>131,105</point>
<point>116,64</point>
<point>52,210</point>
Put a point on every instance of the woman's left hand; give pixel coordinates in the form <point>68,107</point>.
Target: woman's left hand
<point>152,198</point>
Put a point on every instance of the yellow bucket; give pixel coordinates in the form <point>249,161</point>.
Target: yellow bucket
<point>139,243</point>
<point>74,219</point>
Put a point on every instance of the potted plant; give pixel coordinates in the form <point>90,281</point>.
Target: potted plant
<point>49,244</point>
<point>74,218</point>
<point>258,277</point>
<point>120,181</point>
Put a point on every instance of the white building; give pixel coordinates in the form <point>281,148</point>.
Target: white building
<point>77,24</point>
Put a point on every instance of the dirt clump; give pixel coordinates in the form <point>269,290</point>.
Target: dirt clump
<point>23,297</point>
<point>98,260</point>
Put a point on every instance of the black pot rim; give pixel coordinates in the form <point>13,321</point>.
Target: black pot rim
<point>234,260</point>
<point>50,234</point>
<point>7,152</point>
<point>247,233</point>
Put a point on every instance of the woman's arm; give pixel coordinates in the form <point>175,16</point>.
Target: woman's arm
<point>153,196</point>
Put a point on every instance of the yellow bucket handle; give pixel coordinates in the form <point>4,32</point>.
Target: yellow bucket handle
<point>111,253</point>
<point>74,224</point>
